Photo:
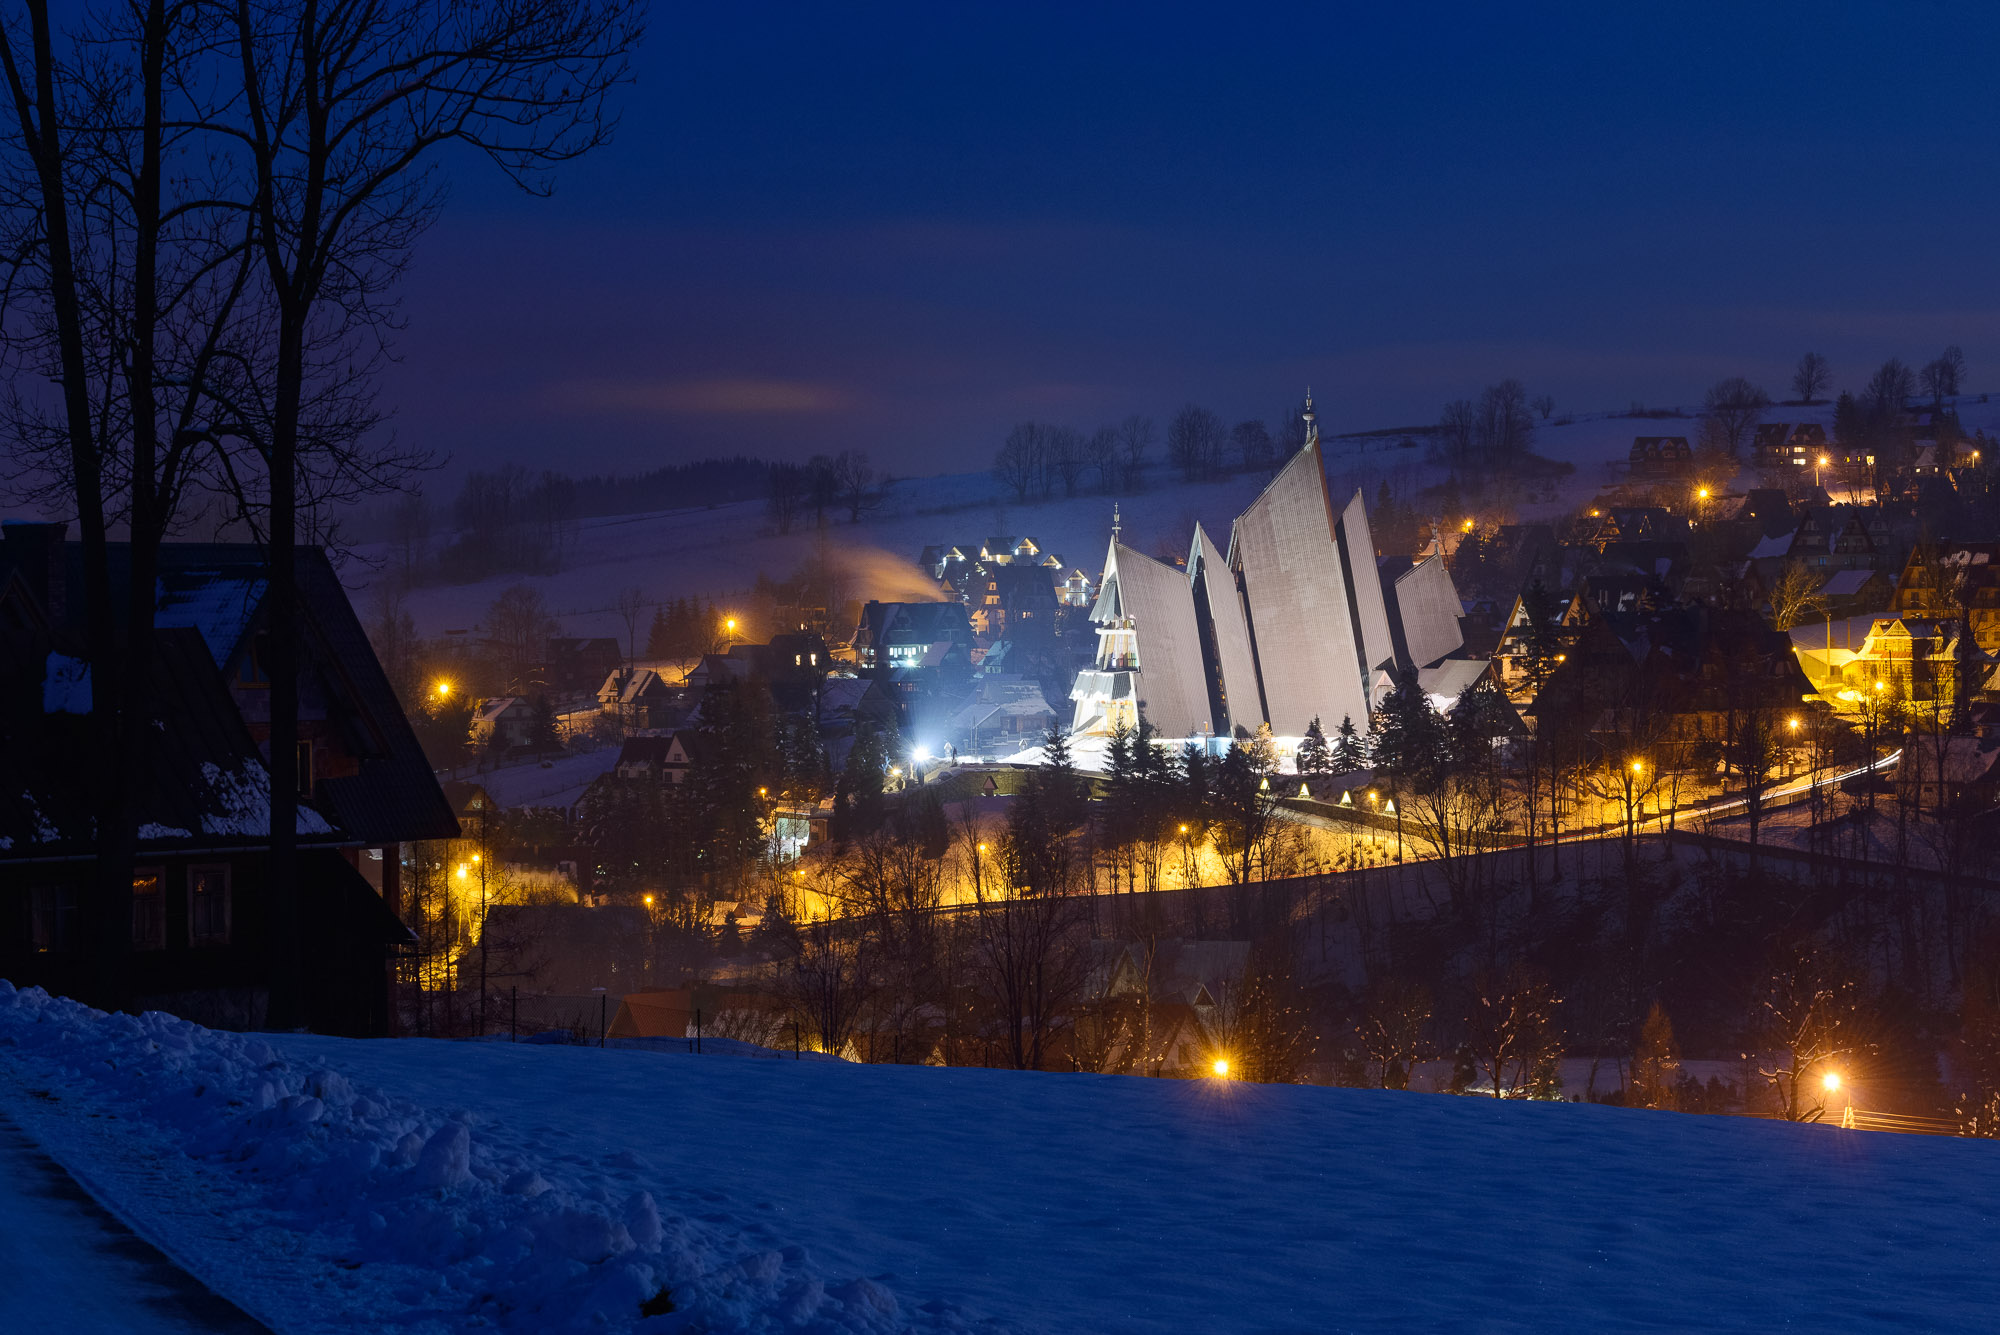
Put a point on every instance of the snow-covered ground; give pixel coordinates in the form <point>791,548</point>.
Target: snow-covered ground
<point>718,552</point>
<point>421,1185</point>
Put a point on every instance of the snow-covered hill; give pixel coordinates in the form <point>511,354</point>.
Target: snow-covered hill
<point>332,1184</point>
<point>719,552</point>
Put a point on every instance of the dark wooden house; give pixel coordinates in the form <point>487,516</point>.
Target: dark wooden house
<point>191,931</point>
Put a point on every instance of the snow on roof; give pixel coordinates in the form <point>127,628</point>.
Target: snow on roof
<point>217,603</point>
<point>1845,583</point>
<point>1771,549</point>
<point>240,803</point>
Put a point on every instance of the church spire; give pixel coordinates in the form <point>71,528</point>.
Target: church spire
<point>1115,525</point>
<point>1312,426</point>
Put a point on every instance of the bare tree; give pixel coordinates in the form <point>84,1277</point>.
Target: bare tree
<point>1890,387</point>
<point>1940,378</point>
<point>1394,1015</point>
<point>1254,445</point>
<point>1731,408</point>
<point>1100,453</point>
<point>1194,442</point>
<point>343,110</point>
<point>1020,462</point>
<point>1457,428</point>
<point>630,604</point>
<point>1067,460</point>
<point>1795,596</point>
<point>858,492</point>
<point>1506,430</point>
<point>785,495</point>
<point>1135,438</point>
<point>518,625</point>
<point>1512,1032</point>
<point>1544,404</point>
<point>1812,1014</point>
<point>1811,377</point>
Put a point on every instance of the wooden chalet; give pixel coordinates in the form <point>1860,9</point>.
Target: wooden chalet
<point>190,930</point>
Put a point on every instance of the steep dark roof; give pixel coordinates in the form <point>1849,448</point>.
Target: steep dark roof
<point>200,783</point>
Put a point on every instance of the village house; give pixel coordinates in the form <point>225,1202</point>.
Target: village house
<point>1661,456</point>
<point>505,723</point>
<point>1785,445</point>
<point>1945,579</point>
<point>189,930</point>
<point>906,637</point>
<point>641,698</point>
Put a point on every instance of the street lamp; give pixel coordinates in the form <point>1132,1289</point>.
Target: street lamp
<point>1831,1080</point>
<point>443,689</point>
<point>1221,1068</point>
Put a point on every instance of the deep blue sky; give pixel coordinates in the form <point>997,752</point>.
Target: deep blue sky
<point>902,229</point>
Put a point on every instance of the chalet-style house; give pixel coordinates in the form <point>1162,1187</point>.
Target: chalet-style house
<point>191,932</point>
<point>1940,578</point>
<point>662,757</point>
<point>1787,445</point>
<point>641,698</point>
<point>1661,456</point>
<point>904,637</point>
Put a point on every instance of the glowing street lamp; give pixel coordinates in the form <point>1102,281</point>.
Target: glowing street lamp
<point>443,689</point>
<point>1831,1081</point>
<point>648,899</point>
<point>1221,1068</point>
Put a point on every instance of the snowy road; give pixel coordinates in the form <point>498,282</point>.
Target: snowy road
<point>67,1265</point>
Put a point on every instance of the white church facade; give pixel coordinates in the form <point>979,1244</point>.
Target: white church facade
<point>1297,620</point>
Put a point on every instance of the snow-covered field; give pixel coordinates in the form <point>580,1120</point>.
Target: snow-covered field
<point>417,1185</point>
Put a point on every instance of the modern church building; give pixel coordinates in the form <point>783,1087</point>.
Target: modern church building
<point>1298,620</point>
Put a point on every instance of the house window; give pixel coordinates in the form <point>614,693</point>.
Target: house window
<point>208,906</point>
<point>149,909</point>
<point>52,918</point>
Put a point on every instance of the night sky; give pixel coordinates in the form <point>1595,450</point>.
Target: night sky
<point>901,230</point>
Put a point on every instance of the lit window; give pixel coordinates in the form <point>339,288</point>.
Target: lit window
<point>149,910</point>
<point>208,906</point>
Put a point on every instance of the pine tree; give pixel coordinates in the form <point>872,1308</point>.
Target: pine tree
<point>659,639</point>
<point>1315,758</point>
<point>1350,751</point>
<point>1656,1063</point>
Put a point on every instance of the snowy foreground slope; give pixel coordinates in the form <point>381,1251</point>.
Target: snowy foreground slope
<point>418,1185</point>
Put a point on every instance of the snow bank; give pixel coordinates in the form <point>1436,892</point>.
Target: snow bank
<point>485,1237</point>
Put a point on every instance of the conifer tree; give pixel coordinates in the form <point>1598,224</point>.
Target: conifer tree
<point>1315,758</point>
<point>1350,750</point>
<point>659,637</point>
<point>1656,1063</point>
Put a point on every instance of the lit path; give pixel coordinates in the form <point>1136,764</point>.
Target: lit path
<point>1782,795</point>
<point>67,1265</point>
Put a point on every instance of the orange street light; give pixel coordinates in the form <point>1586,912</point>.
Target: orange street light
<point>1221,1068</point>
<point>1637,766</point>
<point>1702,494</point>
<point>1831,1080</point>
<point>443,689</point>
<point>1466,527</point>
<point>648,899</point>
<point>1183,829</point>
<point>982,847</point>
<point>1793,724</point>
